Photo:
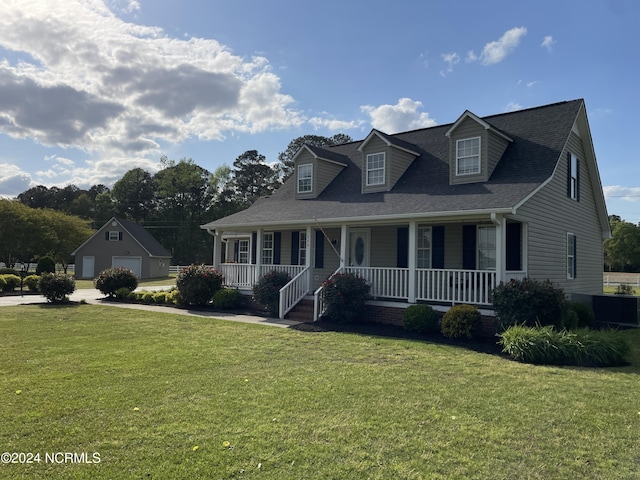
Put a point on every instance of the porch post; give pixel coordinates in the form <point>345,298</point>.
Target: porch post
<point>308,247</point>
<point>501,246</point>
<point>217,244</point>
<point>258,254</point>
<point>344,242</point>
<point>412,261</point>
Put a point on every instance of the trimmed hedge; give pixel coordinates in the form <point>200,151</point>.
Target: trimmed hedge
<point>345,296</point>
<point>11,282</point>
<point>198,284</point>
<point>56,288</point>
<point>549,346</point>
<point>421,319</point>
<point>228,298</point>
<point>461,321</point>
<point>110,280</point>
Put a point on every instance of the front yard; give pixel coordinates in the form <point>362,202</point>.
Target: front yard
<point>170,396</point>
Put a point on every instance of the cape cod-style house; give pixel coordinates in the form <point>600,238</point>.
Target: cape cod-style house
<point>439,215</point>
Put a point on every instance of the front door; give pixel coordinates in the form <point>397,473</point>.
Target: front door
<point>359,247</point>
<point>88,264</point>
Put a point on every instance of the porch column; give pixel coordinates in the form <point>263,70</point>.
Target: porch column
<point>412,261</point>
<point>258,258</point>
<point>307,247</point>
<point>217,245</point>
<point>501,245</point>
<point>344,244</point>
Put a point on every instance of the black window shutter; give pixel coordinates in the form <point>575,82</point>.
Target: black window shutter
<point>402,249</point>
<point>569,174</point>
<point>319,254</point>
<point>254,247</point>
<point>575,256</point>
<point>277,241</point>
<point>106,235</point>
<point>469,247</point>
<point>578,180</point>
<point>437,245</point>
<point>295,248</point>
<point>236,251</point>
<point>514,242</point>
<point>120,236</point>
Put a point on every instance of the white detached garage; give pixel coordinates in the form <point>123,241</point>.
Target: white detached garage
<point>121,243</point>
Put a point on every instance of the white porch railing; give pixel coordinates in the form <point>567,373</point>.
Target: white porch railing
<point>456,286</point>
<point>293,292</point>
<point>385,282</point>
<point>238,275</point>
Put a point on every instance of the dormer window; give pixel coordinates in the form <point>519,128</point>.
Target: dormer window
<point>305,178</point>
<point>468,156</point>
<point>375,169</point>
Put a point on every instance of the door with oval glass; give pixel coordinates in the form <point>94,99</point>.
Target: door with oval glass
<point>359,247</point>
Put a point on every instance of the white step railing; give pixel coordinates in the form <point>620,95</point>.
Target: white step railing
<point>318,299</point>
<point>293,292</point>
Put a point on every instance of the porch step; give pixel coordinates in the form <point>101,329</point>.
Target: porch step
<point>302,312</point>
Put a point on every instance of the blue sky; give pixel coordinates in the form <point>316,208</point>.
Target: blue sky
<point>92,88</point>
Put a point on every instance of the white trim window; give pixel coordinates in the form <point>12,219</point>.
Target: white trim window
<point>486,248</point>
<point>573,177</point>
<point>114,236</point>
<point>423,246</point>
<point>302,248</point>
<point>375,169</point>
<point>243,251</point>
<point>267,249</point>
<point>468,156</point>
<point>571,256</point>
<point>305,178</point>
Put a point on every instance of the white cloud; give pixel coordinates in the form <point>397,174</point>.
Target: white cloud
<point>400,117</point>
<point>513,106</point>
<point>119,90</point>
<point>13,180</point>
<point>450,59</point>
<point>333,124</point>
<point>630,194</point>
<point>496,51</point>
<point>471,56</point>
<point>548,42</point>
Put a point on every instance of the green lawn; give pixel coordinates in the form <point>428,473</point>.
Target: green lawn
<point>160,395</point>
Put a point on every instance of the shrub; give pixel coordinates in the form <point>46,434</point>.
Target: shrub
<point>11,282</point>
<point>549,346</point>
<point>160,297</point>
<point>585,314</point>
<point>112,279</point>
<point>147,297</point>
<point>123,293</point>
<point>267,290</point>
<point>421,319</point>
<point>345,295</point>
<point>56,288</point>
<point>198,284</point>
<point>624,289</point>
<point>529,302</point>
<point>46,265</point>
<point>461,321</point>
<point>173,297</point>
<point>228,298</point>
<point>8,271</point>
<point>3,282</point>
<point>31,281</point>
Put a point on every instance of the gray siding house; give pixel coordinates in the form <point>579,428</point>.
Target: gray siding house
<point>439,215</point>
<point>121,243</point>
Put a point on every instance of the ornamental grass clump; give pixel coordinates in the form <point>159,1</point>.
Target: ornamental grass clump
<point>198,284</point>
<point>110,280</point>
<point>345,295</point>
<point>267,290</point>
<point>549,346</point>
<point>56,288</point>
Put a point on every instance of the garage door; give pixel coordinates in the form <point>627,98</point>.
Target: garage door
<point>132,263</point>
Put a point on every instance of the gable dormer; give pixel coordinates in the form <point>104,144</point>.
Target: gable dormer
<point>315,168</point>
<point>475,148</point>
<point>385,159</point>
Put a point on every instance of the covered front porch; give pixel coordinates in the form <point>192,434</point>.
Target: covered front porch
<point>442,262</point>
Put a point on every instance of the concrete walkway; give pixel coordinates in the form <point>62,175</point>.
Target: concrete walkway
<point>92,296</point>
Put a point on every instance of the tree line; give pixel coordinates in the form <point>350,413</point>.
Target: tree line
<point>171,204</point>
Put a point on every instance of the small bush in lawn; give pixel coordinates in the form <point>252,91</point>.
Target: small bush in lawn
<point>11,282</point>
<point>529,302</point>
<point>345,295</point>
<point>624,289</point>
<point>267,290</point>
<point>8,271</point>
<point>585,314</point>
<point>198,284</point>
<point>56,288</point>
<point>31,281</point>
<point>549,346</point>
<point>421,319</point>
<point>112,279</point>
<point>46,265</point>
<point>228,298</point>
<point>160,297</point>
<point>461,321</point>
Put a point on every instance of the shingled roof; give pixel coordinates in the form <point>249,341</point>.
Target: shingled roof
<point>539,136</point>
<point>144,238</point>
